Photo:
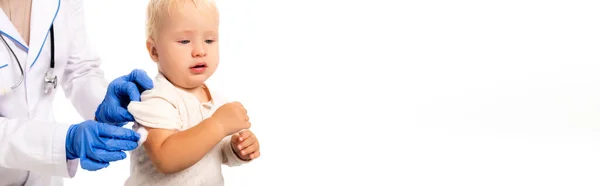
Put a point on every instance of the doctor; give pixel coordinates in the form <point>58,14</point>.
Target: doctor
<point>43,47</point>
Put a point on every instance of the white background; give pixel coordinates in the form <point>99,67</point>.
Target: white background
<point>385,92</point>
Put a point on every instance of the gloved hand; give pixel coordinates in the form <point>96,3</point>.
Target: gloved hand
<point>97,144</point>
<point>121,91</point>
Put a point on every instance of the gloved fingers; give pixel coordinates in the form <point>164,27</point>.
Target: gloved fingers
<point>122,115</point>
<point>111,112</point>
<point>110,131</point>
<point>129,90</point>
<point>101,155</point>
<point>92,165</point>
<point>117,144</point>
<point>140,78</point>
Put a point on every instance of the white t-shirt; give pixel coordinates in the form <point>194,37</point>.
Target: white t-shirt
<point>168,107</point>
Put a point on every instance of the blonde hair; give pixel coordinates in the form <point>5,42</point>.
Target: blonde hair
<point>156,9</point>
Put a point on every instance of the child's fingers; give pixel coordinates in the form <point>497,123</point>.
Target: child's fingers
<point>255,155</point>
<point>246,143</point>
<point>245,134</point>
<point>250,149</point>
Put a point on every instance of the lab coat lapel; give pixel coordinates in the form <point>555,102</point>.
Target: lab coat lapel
<point>13,38</point>
<point>43,13</point>
<point>9,31</point>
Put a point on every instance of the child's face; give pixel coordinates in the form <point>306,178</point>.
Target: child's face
<point>186,45</point>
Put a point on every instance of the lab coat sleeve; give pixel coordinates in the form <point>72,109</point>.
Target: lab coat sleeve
<point>27,145</point>
<point>84,83</point>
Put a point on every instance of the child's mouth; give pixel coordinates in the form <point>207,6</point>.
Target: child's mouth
<point>198,68</point>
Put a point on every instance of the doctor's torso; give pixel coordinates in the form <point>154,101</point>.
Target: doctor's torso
<point>28,100</point>
<point>27,126</point>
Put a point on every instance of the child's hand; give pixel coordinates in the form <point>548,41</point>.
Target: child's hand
<point>231,117</point>
<point>245,145</point>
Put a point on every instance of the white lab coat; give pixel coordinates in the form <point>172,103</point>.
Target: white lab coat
<point>32,144</point>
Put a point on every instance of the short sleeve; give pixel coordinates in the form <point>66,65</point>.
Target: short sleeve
<point>156,110</point>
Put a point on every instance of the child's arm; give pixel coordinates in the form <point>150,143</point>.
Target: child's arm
<point>172,151</point>
<point>169,149</point>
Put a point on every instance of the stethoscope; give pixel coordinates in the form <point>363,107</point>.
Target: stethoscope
<point>50,79</point>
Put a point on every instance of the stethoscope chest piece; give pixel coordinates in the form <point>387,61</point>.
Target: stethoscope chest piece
<point>50,81</point>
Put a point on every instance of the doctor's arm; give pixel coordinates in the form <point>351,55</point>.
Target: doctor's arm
<point>84,83</point>
<point>58,148</point>
<point>36,146</point>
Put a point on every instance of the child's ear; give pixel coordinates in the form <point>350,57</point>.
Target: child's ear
<point>152,49</point>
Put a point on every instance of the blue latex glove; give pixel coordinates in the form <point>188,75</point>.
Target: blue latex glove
<point>97,144</point>
<point>121,91</point>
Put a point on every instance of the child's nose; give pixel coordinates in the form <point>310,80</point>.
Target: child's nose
<point>199,51</point>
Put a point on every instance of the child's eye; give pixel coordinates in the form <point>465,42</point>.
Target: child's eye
<point>184,41</point>
<point>209,41</point>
